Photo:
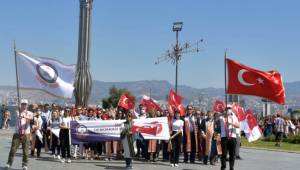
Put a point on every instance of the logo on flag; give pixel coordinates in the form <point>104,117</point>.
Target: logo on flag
<point>47,72</point>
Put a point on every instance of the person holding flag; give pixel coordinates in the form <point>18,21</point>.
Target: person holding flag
<point>228,124</point>
<point>21,135</point>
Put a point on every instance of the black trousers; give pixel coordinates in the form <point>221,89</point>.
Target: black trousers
<point>65,143</point>
<point>139,145</point>
<point>38,146</point>
<point>193,149</point>
<point>176,147</point>
<point>55,145</point>
<point>228,145</point>
<point>166,153</point>
<point>128,162</point>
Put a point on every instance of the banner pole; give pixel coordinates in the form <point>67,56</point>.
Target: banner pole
<point>17,77</point>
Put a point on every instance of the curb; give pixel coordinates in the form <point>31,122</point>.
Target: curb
<point>275,150</point>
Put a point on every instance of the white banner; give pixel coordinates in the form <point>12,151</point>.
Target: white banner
<point>152,128</point>
<point>45,74</point>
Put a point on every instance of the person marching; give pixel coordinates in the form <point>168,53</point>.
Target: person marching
<point>54,123</point>
<point>21,135</point>
<point>209,135</point>
<point>152,143</point>
<point>128,139</point>
<point>190,141</point>
<point>228,123</point>
<point>37,134</point>
<point>64,136</point>
<point>46,116</point>
<point>176,139</point>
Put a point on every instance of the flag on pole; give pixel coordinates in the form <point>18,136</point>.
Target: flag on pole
<point>150,104</point>
<point>219,106</point>
<point>174,102</point>
<point>45,74</point>
<point>126,101</point>
<point>239,112</point>
<point>250,127</point>
<point>245,80</point>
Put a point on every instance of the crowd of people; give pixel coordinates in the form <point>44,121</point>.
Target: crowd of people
<point>280,126</point>
<point>198,136</point>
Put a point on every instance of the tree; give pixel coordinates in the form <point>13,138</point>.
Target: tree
<point>114,96</point>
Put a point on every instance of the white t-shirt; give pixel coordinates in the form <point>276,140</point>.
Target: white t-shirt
<point>66,121</point>
<point>177,125</point>
<point>23,124</point>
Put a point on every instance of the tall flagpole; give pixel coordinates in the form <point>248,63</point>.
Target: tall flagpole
<point>225,71</point>
<point>17,76</point>
<point>225,75</point>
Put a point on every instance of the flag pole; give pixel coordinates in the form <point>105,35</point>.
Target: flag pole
<point>17,76</point>
<point>226,111</point>
<point>225,75</point>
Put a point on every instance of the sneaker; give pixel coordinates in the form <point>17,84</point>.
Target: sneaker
<point>172,165</point>
<point>176,165</point>
<point>7,167</point>
<point>69,160</point>
<point>58,157</point>
<point>53,156</point>
<point>62,160</point>
<point>24,168</point>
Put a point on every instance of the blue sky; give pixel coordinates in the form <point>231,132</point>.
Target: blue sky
<point>128,36</point>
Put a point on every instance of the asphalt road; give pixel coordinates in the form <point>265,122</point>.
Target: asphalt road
<point>252,159</point>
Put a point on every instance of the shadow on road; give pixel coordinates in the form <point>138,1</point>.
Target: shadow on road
<point>111,167</point>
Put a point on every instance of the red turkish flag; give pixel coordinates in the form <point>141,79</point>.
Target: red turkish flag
<point>219,106</point>
<point>126,102</point>
<point>239,111</point>
<point>174,102</point>
<point>150,104</point>
<point>249,81</point>
<point>251,120</point>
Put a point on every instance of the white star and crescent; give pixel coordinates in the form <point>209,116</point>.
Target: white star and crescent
<point>241,79</point>
<point>243,82</point>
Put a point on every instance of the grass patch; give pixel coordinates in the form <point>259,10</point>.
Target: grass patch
<point>285,146</point>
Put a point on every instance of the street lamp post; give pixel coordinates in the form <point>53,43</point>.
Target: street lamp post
<point>83,78</point>
<point>175,53</point>
<point>177,26</point>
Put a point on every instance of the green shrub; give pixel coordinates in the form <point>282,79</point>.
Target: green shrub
<point>289,139</point>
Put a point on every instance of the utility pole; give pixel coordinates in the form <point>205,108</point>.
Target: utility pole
<point>175,53</point>
<point>83,78</point>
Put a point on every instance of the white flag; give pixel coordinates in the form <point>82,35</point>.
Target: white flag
<point>45,74</point>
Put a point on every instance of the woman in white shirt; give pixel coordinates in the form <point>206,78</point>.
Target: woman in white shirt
<point>176,138</point>
<point>64,136</point>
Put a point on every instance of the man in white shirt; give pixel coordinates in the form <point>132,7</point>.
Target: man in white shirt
<point>21,135</point>
<point>228,126</point>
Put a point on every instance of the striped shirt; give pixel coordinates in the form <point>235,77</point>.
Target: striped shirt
<point>230,130</point>
<point>279,124</point>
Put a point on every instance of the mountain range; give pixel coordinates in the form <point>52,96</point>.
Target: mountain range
<point>158,89</point>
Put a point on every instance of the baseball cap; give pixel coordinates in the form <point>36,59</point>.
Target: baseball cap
<point>24,101</point>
